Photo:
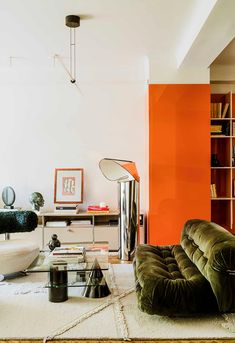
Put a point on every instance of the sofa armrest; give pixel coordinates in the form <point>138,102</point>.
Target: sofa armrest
<point>212,249</point>
<point>221,274</point>
<point>18,221</point>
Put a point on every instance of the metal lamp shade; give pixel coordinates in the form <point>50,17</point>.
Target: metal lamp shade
<point>125,173</point>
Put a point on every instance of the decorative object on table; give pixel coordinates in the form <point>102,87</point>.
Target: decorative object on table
<point>8,197</point>
<point>73,254</point>
<point>214,160</point>
<point>37,201</point>
<point>58,287</point>
<point>96,286</point>
<point>98,209</point>
<point>54,242</point>
<point>125,173</point>
<point>68,186</point>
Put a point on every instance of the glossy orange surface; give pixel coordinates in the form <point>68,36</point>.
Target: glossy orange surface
<point>179,159</point>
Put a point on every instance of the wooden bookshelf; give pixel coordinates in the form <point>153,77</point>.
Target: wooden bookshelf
<point>223,165</point>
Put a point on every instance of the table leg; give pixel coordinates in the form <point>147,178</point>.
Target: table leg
<point>58,291</point>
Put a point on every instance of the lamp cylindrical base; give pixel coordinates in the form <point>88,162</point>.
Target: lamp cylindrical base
<point>129,218</point>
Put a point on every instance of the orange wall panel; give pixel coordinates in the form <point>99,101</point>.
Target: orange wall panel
<point>179,158</point>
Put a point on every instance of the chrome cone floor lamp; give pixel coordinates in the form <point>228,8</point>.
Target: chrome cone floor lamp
<point>125,173</point>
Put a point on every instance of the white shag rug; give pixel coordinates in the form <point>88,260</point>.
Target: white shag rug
<point>26,313</point>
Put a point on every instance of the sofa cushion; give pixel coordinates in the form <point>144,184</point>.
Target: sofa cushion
<point>212,249</point>
<point>16,255</point>
<point>168,283</point>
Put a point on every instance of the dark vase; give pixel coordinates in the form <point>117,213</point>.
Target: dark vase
<point>214,160</point>
<point>54,242</point>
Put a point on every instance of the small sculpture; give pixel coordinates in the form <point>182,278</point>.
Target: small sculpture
<point>8,197</point>
<point>37,201</point>
<point>54,242</point>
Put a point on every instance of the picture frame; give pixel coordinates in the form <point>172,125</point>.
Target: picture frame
<point>68,186</point>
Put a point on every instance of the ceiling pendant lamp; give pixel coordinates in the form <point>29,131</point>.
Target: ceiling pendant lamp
<point>72,21</point>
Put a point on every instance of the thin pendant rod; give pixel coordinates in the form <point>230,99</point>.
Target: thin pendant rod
<point>73,54</point>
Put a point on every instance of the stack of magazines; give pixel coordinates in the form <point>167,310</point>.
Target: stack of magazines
<point>75,254</point>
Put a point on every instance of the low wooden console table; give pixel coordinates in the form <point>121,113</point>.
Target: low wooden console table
<point>96,221</point>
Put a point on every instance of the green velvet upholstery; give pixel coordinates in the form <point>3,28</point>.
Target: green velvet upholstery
<point>194,277</point>
<point>168,283</point>
<point>212,249</point>
<point>17,221</point>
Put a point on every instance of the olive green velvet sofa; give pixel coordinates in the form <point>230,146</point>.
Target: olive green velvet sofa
<point>197,276</point>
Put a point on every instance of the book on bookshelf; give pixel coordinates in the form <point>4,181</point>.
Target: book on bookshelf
<point>81,222</point>
<point>233,128</point>
<point>213,190</point>
<point>67,209</point>
<point>219,109</point>
<point>225,109</point>
<point>216,109</point>
<point>216,129</point>
<point>60,223</point>
<point>97,212</point>
<point>98,209</point>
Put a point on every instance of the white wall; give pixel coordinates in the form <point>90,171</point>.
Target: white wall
<point>47,123</point>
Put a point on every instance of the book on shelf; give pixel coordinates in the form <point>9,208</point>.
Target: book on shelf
<point>213,190</point>
<point>233,128</point>
<point>216,109</point>
<point>225,109</point>
<point>219,109</point>
<point>233,156</point>
<point>216,129</point>
<point>97,209</point>
<point>80,222</point>
<point>60,223</point>
<point>67,209</point>
<point>97,212</point>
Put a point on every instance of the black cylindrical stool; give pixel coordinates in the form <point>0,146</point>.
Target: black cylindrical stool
<point>58,275</point>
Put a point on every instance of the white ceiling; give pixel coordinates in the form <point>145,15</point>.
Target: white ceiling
<point>112,32</point>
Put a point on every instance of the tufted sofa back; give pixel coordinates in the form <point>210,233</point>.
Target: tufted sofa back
<point>212,249</point>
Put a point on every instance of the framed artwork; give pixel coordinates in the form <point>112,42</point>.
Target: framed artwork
<point>68,187</point>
